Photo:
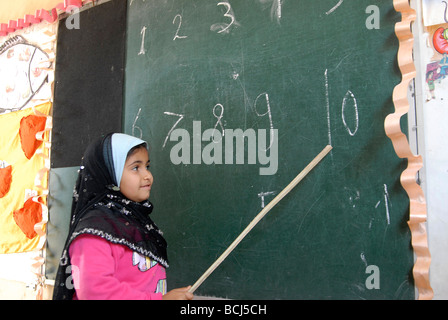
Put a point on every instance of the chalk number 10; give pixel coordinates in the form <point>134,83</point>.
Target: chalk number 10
<point>351,129</point>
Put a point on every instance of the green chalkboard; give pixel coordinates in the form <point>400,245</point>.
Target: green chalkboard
<point>236,98</point>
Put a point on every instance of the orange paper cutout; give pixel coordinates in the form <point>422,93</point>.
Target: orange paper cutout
<point>29,126</point>
<point>417,211</point>
<point>28,216</point>
<point>5,180</point>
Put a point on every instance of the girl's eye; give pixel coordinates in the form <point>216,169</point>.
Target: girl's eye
<point>148,167</point>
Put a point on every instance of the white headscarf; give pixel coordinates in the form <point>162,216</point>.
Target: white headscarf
<point>121,144</point>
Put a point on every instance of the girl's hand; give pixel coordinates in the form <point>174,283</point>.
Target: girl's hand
<point>179,294</point>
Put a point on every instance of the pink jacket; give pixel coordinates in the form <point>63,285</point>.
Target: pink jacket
<point>102,270</point>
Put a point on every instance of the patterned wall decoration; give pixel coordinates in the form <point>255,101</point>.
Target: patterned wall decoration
<point>26,94</point>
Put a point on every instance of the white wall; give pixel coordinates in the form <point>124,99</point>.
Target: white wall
<point>432,135</point>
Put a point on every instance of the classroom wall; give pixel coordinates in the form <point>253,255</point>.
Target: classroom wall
<point>428,132</point>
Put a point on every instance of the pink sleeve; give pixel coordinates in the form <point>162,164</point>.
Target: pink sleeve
<point>93,272</point>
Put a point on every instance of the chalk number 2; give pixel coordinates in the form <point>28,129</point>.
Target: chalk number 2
<point>222,27</point>
<point>177,36</point>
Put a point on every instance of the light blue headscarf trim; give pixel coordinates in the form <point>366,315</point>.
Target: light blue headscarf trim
<point>121,144</point>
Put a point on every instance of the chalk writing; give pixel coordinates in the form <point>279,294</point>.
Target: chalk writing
<point>354,197</point>
<point>377,204</point>
<point>327,98</point>
<point>224,27</point>
<point>334,8</point>
<point>345,105</point>
<point>181,116</point>
<point>136,127</point>
<point>218,117</point>
<point>177,36</point>
<point>348,95</point>
<point>268,112</point>
<point>363,258</point>
<point>276,8</point>
<point>142,46</point>
<point>264,194</point>
<point>386,203</point>
<point>279,10</point>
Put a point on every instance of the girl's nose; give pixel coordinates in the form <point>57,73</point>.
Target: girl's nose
<point>148,176</point>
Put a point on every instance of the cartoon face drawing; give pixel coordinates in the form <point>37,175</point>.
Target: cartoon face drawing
<point>23,67</point>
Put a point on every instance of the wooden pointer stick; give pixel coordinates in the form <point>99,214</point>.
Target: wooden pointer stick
<point>260,216</point>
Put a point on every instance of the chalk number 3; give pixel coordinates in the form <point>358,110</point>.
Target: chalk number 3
<point>222,27</point>
<point>229,14</point>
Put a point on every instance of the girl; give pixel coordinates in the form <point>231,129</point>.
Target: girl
<point>113,249</point>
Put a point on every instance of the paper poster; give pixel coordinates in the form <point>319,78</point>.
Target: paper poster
<point>437,67</point>
<point>24,66</point>
<point>20,163</point>
<point>434,12</point>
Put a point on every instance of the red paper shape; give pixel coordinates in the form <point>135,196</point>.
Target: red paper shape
<point>28,216</point>
<point>5,180</point>
<point>29,126</point>
<point>439,41</point>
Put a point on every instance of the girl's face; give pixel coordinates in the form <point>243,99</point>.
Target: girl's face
<point>137,180</point>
